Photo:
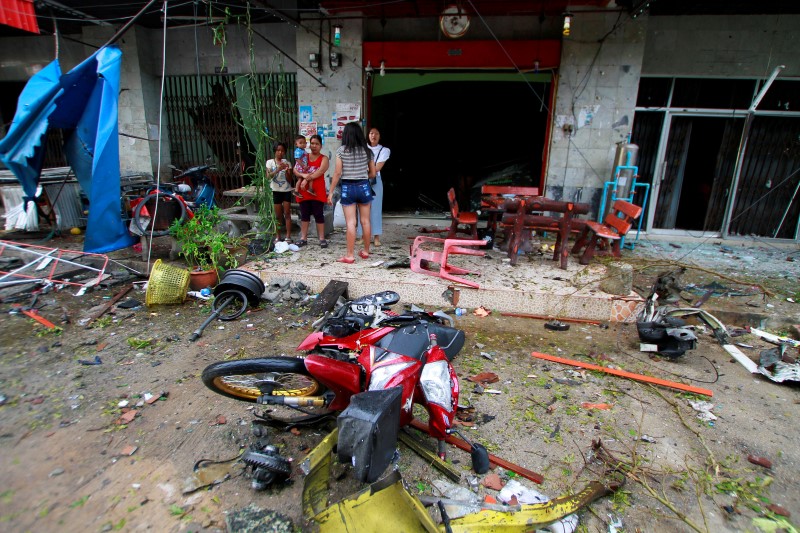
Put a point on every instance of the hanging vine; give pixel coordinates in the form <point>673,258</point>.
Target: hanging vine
<point>249,100</point>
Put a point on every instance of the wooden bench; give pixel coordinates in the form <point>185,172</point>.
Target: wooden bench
<point>239,212</point>
<point>503,189</point>
<point>614,227</point>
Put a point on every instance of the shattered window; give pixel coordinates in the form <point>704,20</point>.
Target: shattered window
<point>653,92</point>
<point>783,95</point>
<point>713,93</point>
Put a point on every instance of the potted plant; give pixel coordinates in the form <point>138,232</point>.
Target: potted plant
<point>206,249</point>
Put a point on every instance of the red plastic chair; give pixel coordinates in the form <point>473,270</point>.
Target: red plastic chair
<point>461,218</point>
<point>422,260</point>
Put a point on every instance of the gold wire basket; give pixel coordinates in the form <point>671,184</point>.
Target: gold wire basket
<point>167,284</point>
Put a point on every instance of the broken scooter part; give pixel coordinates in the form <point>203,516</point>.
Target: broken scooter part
<point>478,453</point>
<point>236,290</point>
<point>670,334</point>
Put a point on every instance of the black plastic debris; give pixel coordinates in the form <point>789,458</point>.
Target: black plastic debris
<point>669,334</point>
<point>95,361</point>
<point>368,432</point>
<point>556,325</point>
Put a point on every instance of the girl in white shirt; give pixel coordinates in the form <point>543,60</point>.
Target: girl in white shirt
<point>381,155</point>
<point>279,173</point>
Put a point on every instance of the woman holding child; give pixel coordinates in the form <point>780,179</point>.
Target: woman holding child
<point>311,185</point>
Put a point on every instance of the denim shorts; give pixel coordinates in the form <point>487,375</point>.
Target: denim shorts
<point>356,192</point>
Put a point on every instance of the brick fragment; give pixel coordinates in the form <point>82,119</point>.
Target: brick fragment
<point>760,461</point>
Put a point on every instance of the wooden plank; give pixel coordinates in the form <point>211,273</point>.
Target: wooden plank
<point>107,306</point>
<point>248,218</point>
<point>327,298</point>
<point>623,374</point>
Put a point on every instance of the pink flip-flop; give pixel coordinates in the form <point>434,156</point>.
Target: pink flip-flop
<point>363,255</point>
<point>345,260</point>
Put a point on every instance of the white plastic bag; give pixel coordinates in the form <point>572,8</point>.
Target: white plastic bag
<point>338,216</point>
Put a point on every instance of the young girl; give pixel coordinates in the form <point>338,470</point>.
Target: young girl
<point>279,172</point>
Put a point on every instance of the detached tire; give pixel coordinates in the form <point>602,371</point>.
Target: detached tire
<point>137,213</point>
<point>248,379</point>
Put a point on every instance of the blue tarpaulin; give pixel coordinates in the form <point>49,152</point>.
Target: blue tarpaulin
<point>82,102</point>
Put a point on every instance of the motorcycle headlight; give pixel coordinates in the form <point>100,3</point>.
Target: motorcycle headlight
<point>435,382</point>
<point>381,375</point>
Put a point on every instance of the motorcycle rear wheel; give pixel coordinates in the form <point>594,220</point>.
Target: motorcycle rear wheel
<point>248,379</point>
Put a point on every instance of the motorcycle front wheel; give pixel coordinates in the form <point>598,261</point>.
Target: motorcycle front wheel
<point>248,379</point>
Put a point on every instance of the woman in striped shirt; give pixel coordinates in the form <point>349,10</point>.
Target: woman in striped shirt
<point>354,167</point>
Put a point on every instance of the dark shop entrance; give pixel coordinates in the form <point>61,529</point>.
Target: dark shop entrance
<point>698,169</point>
<point>458,130</point>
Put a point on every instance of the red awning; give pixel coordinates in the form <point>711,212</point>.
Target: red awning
<point>19,14</point>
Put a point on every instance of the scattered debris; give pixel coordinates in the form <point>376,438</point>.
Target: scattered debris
<point>219,421</point>
<point>95,361</point>
<point>601,406</point>
<point>624,374</point>
<point>484,378</point>
<point>493,459</point>
<point>481,312</point>
<point>760,461</point>
<point>556,325</point>
<point>128,450</point>
<point>492,481</point>
<point>285,290</point>
<point>108,305</point>
<point>774,339</point>
<point>127,417</point>
<point>252,519</point>
<point>779,510</point>
<point>548,317</point>
<point>703,410</point>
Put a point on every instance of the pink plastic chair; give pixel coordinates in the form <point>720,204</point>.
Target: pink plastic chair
<point>421,260</point>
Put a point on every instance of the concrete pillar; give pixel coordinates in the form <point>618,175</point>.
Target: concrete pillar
<point>139,94</point>
<point>344,85</point>
<point>597,87</point>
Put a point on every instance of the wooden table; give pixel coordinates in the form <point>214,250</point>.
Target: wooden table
<point>245,209</point>
<point>493,192</point>
<point>519,214</point>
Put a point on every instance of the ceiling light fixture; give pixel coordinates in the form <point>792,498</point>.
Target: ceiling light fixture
<point>337,35</point>
<point>567,24</point>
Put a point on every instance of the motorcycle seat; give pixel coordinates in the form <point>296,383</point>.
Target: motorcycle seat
<point>413,340</point>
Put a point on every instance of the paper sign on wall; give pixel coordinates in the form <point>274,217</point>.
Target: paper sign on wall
<point>307,129</point>
<point>345,113</point>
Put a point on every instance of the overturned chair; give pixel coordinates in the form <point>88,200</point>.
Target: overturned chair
<point>421,260</point>
<point>613,229</point>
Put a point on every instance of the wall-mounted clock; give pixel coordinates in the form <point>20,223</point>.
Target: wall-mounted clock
<point>453,22</point>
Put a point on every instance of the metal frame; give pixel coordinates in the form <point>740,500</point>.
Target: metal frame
<point>660,164</point>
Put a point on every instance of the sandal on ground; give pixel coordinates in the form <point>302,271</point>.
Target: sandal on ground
<point>346,260</point>
<point>363,254</point>
<point>323,243</point>
<point>301,243</point>
<point>377,242</point>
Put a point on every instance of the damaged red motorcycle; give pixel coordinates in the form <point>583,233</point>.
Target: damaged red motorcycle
<point>368,362</point>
